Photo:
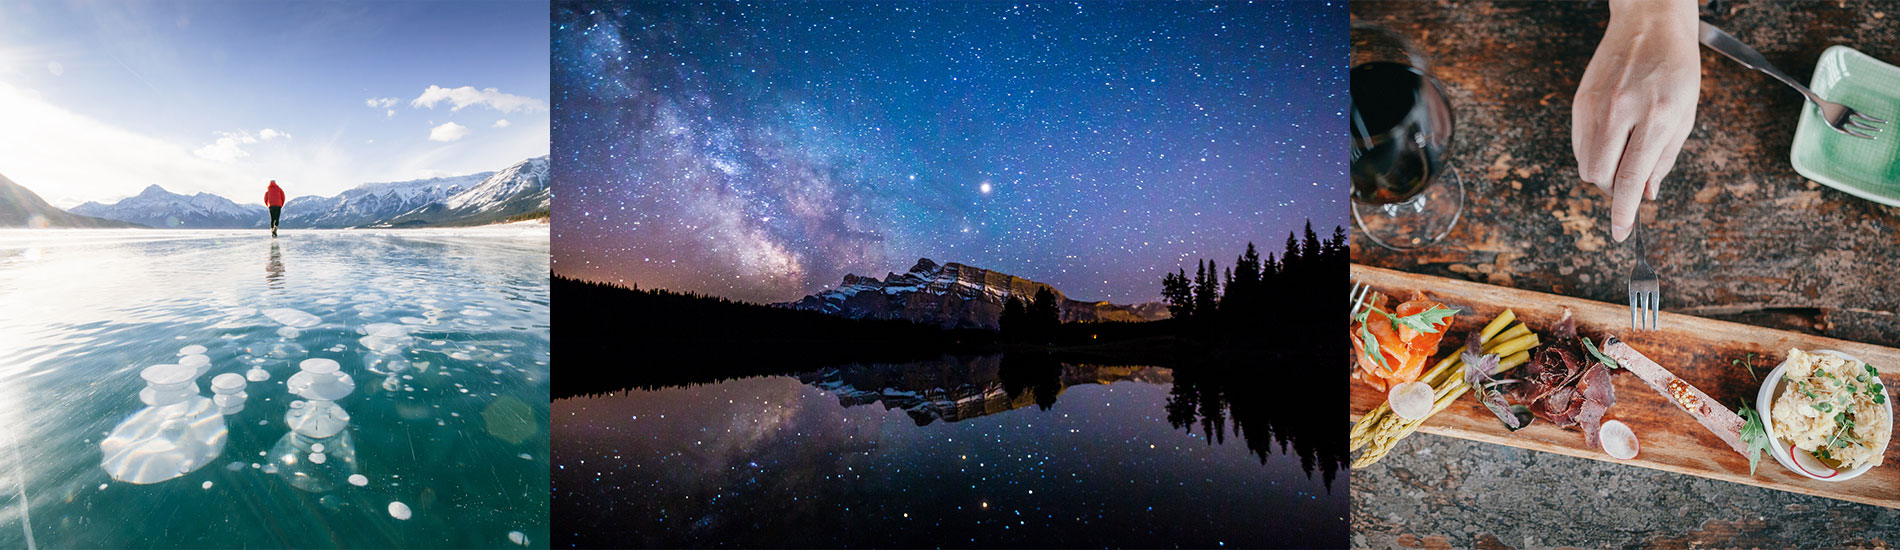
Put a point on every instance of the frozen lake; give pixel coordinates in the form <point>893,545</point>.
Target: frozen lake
<point>207,389</point>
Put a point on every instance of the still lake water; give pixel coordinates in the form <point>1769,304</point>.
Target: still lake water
<point>992,451</point>
<point>432,437</point>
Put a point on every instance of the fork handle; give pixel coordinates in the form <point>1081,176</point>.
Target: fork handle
<point>1720,41</point>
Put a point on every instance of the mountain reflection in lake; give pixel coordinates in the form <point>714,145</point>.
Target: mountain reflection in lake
<point>1000,450</point>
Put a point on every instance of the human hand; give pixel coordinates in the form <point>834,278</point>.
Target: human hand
<point>1636,103</point>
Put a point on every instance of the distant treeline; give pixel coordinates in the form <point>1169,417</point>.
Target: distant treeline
<point>620,337</point>
<point>1271,301</point>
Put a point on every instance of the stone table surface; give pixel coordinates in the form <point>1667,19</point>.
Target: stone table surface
<point>1736,235</point>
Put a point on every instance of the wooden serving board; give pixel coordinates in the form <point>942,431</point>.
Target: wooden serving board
<point>1695,349</point>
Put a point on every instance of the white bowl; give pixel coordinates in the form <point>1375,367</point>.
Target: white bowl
<point>1764,405</point>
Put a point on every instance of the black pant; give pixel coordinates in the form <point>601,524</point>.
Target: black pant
<point>274,211</point>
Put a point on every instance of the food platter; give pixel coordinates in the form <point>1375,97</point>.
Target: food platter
<point>1705,353</point>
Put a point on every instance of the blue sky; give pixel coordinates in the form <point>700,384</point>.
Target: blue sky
<point>104,98</point>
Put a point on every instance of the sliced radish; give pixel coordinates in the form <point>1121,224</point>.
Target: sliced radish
<point>1810,465</point>
<point>1411,400</point>
<point>1619,441</point>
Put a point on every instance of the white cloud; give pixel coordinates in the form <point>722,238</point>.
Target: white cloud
<point>468,96</point>
<point>58,153</point>
<point>380,102</point>
<point>503,123</point>
<point>230,145</point>
<point>55,68</point>
<point>391,114</point>
<point>448,132</point>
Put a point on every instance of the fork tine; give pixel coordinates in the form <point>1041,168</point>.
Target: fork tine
<point>1866,116</point>
<point>1654,307</point>
<point>1862,125</point>
<point>1855,134</point>
<point>1635,308</point>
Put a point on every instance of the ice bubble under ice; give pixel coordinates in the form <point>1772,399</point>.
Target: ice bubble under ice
<point>227,383</point>
<point>319,379</point>
<point>317,421</point>
<point>207,485</point>
<point>193,349</point>
<point>234,466</point>
<point>388,330</point>
<point>398,510</point>
<point>329,301</point>
<point>286,350</point>
<point>317,458</point>
<point>256,374</point>
<point>518,538</point>
<point>198,363</point>
<point>318,447</point>
<point>167,376</point>
<point>289,332</point>
<point>319,365</point>
<point>292,317</point>
<point>164,442</point>
<point>358,480</point>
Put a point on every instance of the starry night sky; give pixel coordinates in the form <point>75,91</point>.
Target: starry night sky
<point>760,152</point>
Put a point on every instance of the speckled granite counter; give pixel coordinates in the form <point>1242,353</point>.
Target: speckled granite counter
<point>1736,235</point>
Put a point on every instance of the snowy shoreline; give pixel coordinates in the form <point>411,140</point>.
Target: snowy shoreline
<point>14,237</point>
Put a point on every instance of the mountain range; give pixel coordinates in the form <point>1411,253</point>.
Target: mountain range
<point>518,191</point>
<point>952,389</point>
<point>21,207</point>
<point>955,295</point>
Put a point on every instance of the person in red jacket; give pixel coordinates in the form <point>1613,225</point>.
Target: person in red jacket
<point>274,198</point>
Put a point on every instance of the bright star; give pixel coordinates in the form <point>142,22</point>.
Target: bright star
<point>984,188</point>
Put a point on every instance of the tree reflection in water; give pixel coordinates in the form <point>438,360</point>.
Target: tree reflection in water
<point>1214,399</point>
<point>1262,409</point>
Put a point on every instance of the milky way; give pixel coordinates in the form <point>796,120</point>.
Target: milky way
<point>760,152</point>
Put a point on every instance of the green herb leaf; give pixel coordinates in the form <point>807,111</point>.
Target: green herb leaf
<point>1822,406</point>
<point>1749,364</point>
<point>1754,435</point>
<point>1423,321</point>
<point>1605,359</point>
<point>1372,346</point>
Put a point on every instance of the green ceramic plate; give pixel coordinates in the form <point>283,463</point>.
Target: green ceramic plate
<point>1869,169</point>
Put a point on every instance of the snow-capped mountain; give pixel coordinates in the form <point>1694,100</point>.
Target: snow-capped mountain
<point>163,209</point>
<point>952,390</point>
<point>488,197</point>
<point>515,191</point>
<point>373,203</point>
<point>954,295</point>
<point>21,207</point>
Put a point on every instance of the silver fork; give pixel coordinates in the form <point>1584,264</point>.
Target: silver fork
<point>1645,288</point>
<point>1359,293</point>
<point>1840,117</point>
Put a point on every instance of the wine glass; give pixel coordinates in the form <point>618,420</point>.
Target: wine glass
<point>1401,135</point>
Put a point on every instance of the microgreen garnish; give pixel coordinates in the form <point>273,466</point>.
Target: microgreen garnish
<point>1846,424</point>
<point>1423,321</point>
<point>1749,364</point>
<point>1824,406</point>
<point>1605,359</point>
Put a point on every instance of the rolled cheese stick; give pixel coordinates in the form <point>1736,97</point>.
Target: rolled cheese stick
<point>1717,418</point>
